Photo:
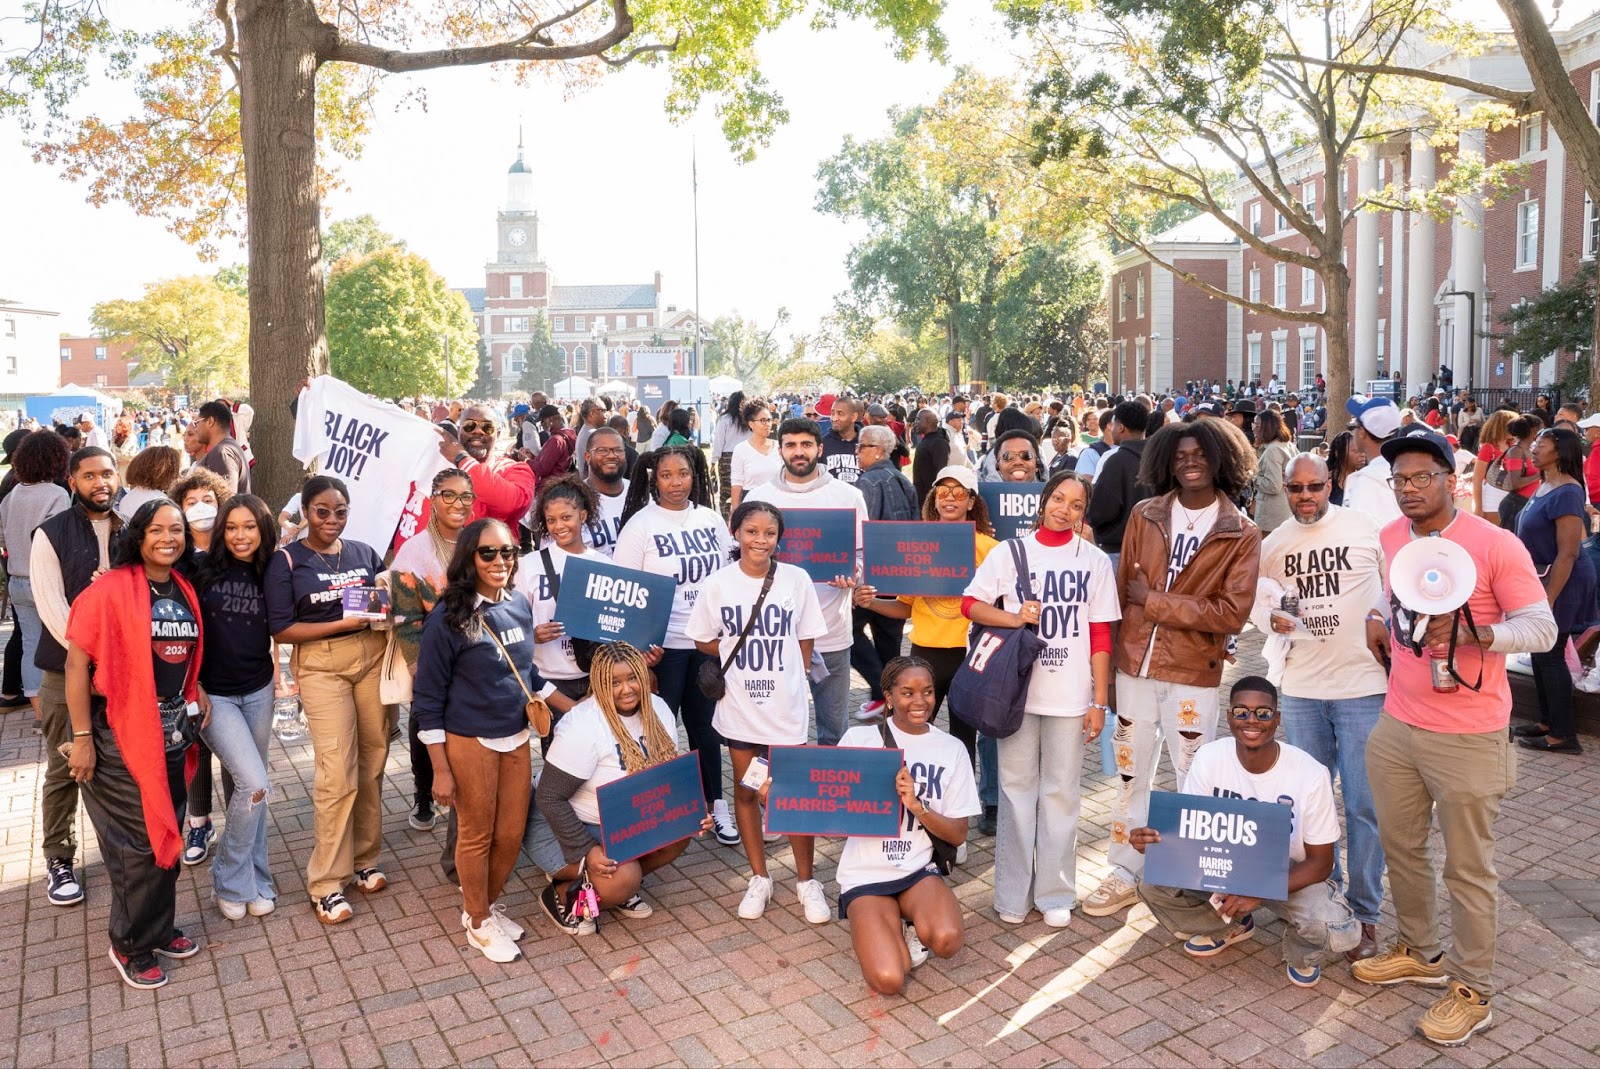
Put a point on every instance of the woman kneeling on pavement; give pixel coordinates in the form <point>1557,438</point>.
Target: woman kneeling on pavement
<point>616,731</point>
<point>890,890</point>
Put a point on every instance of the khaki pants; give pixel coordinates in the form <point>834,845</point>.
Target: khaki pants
<point>492,815</point>
<point>60,796</point>
<point>1319,922</point>
<point>1415,775</point>
<point>349,726</point>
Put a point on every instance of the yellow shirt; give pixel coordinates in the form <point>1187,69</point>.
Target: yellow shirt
<point>937,622</point>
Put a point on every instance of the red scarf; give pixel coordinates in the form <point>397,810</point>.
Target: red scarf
<point>110,622</point>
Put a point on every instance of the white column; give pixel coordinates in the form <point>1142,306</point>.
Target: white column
<point>1364,342</point>
<point>1466,271</point>
<point>1419,272</point>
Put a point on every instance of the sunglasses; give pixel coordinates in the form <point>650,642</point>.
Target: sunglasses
<point>1261,713</point>
<point>1016,456</point>
<point>452,497</point>
<point>473,426</point>
<point>1305,488</point>
<point>951,491</point>
<point>489,553</point>
<point>323,512</point>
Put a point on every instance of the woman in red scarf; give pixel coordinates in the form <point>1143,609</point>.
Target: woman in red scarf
<point>133,657</point>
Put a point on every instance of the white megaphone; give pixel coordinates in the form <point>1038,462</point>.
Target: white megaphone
<point>1432,577</point>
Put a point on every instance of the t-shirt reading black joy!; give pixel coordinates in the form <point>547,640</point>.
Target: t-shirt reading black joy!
<point>311,590</point>
<point>174,632</point>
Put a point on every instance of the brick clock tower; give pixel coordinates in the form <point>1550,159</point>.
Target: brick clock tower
<point>518,282</point>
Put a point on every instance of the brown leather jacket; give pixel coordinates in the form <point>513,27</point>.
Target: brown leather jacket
<point>1210,600</point>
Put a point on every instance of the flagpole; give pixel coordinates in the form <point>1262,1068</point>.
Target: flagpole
<point>694,175</point>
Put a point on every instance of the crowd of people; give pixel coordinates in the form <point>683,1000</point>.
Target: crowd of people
<point>156,600</point>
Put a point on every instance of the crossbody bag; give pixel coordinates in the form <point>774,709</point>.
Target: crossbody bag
<point>713,677</point>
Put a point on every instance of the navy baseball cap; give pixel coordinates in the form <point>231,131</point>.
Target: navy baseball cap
<point>1421,441</point>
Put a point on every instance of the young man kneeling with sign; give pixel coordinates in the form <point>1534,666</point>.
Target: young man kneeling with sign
<point>1253,765</point>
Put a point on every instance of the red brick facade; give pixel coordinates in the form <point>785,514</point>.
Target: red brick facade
<point>96,362</point>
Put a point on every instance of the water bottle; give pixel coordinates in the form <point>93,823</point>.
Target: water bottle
<point>1439,669</point>
<point>288,718</point>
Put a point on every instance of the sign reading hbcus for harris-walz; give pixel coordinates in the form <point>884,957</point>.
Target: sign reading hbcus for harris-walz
<point>918,558</point>
<point>821,542</point>
<point>1013,507</point>
<point>651,808</point>
<point>833,790</point>
<point>604,602</point>
<point>1232,845</point>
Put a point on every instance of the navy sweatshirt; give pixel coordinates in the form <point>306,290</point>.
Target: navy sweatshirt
<point>465,687</point>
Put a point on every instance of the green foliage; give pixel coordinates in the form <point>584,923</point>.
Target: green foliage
<point>234,278</point>
<point>484,383</point>
<point>391,321</point>
<point>739,347</point>
<point>1049,323</point>
<point>191,330</point>
<point>358,237</point>
<point>542,366</point>
<point>1561,319</point>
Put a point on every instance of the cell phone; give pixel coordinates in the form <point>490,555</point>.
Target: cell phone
<point>756,775</point>
<point>193,709</point>
<point>1216,904</point>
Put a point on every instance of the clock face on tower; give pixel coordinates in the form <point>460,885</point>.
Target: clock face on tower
<point>517,237</point>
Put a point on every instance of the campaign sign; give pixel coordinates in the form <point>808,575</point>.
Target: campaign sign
<point>1013,507</point>
<point>656,807</point>
<point>606,602</point>
<point>821,542</point>
<point>1231,845</point>
<point>833,790</point>
<point>918,557</point>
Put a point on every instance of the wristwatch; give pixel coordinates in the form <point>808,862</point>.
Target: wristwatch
<point>459,457</point>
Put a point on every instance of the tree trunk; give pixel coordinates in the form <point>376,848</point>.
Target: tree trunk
<point>952,344</point>
<point>1336,286</point>
<point>278,56</point>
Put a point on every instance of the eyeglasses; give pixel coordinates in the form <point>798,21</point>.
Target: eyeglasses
<point>473,426</point>
<point>609,451</point>
<point>1260,713</point>
<point>1422,480</point>
<point>453,497</point>
<point>762,419</point>
<point>950,491</point>
<point>323,512</point>
<point>1305,488</point>
<point>1016,456</point>
<point>489,553</point>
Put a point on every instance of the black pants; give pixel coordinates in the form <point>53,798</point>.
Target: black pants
<point>945,661</point>
<point>1511,507</point>
<point>577,690</point>
<point>1553,683</point>
<point>421,766</point>
<point>199,792</point>
<point>144,899</point>
<point>869,653</point>
<point>11,677</point>
<point>677,679</point>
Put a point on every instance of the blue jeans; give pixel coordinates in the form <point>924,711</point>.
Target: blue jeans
<point>240,726</point>
<point>988,770</point>
<point>678,678</point>
<point>29,626</point>
<point>1335,733</point>
<point>831,698</point>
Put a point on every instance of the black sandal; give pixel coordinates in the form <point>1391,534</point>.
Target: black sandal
<point>1570,746</point>
<point>1529,731</point>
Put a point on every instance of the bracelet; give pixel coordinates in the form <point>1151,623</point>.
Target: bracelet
<point>1102,708</point>
<point>1374,616</point>
<point>459,457</point>
<point>81,734</point>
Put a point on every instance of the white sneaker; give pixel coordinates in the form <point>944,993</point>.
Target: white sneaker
<point>1590,683</point>
<point>261,907</point>
<point>756,898</point>
<point>869,711</point>
<point>961,854</point>
<point>1058,918</point>
<point>919,953</point>
<point>723,824</point>
<point>234,911</point>
<point>492,943</point>
<point>815,900</point>
<point>497,917</point>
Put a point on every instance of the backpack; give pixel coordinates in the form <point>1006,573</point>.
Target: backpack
<point>990,689</point>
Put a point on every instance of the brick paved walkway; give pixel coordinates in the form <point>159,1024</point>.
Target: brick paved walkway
<point>694,985</point>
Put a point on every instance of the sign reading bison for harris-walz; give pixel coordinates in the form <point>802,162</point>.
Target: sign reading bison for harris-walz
<point>605,602</point>
<point>918,557</point>
<point>834,790</point>
<point>1231,845</point>
<point>820,542</point>
<point>654,807</point>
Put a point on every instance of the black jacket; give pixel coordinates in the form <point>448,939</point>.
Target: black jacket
<point>1116,491</point>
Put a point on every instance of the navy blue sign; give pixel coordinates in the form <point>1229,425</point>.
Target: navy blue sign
<point>834,790</point>
<point>1014,507</point>
<point>647,810</point>
<point>918,557</point>
<point>1229,845</point>
<point>606,602</point>
<point>822,542</point>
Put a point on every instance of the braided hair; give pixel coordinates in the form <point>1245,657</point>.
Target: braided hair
<point>661,744</point>
<point>568,488</point>
<point>642,487</point>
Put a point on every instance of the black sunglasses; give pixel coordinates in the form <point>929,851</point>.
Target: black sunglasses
<point>489,553</point>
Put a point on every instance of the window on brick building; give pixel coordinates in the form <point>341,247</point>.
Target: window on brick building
<point>1591,228</point>
<point>516,360</point>
<point>100,353</point>
<point>1382,260</point>
<point>99,380</point>
<point>1279,223</point>
<point>516,285</point>
<point>1255,284</point>
<point>1280,284</point>
<point>1138,365</point>
<point>1253,363</point>
<point>1308,285</point>
<point>517,324</point>
<point>1527,233</point>
<point>1308,196</point>
<point>1530,135</point>
<point>1122,300</point>
<point>1255,217</point>
<point>577,324</point>
<point>1280,358</point>
<point>599,322</point>
<point>580,360</point>
<point>1138,303</point>
<point>66,352</point>
<point>641,321</point>
<point>1308,360</point>
<point>559,324</point>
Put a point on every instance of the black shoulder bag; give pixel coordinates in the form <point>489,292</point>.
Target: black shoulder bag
<point>944,852</point>
<point>713,676</point>
<point>582,648</point>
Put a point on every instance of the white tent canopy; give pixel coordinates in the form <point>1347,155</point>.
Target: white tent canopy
<point>724,384</point>
<point>573,388</point>
<point>617,388</point>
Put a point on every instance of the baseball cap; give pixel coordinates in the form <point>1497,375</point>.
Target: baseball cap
<point>825,404</point>
<point>877,411</point>
<point>1208,408</point>
<point>1421,441</point>
<point>521,410</point>
<point>1590,421</point>
<point>953,414</point>
<point>1379,416</point>
<point>547,411</point>
<point>82,417</point>
<point>961,474</point>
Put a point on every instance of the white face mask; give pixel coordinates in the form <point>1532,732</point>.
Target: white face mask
<point>202,515</point>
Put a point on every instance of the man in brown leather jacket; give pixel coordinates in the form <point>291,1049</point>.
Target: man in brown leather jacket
<point>1186,581</point>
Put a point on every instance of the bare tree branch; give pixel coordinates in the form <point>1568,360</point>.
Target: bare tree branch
<point>399,61</point>
<point>1523,103</point>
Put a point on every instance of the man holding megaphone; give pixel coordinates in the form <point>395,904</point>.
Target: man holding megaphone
<point>1441,744</point>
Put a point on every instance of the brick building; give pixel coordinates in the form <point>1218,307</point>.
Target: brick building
<point>598,329</point>
<point>1408,274</point>
<point>96,362</point>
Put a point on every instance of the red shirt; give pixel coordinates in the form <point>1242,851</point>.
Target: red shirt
<point>1591,475</point>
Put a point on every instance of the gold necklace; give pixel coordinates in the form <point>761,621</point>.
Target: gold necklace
<point>440,542</point>
<point>338,558</point>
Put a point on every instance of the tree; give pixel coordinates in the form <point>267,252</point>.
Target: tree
<point>1050,320</point>
<point>356,237</point>
<point>739,347</point>
<point>1139,100</point>
<point>392,322</point>
<point>484,383</point>
<point>543,365</point>
<point>1560,318</point>
<point>190,330</point>
<point>239,91</point>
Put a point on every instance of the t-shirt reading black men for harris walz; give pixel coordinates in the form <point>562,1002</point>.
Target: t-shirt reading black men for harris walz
<point>174,632</point>
<point>309,591</point>
<point>238,658</point>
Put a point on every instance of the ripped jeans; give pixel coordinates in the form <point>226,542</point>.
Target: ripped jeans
<point>1319,921</point>
<point>241,725</point>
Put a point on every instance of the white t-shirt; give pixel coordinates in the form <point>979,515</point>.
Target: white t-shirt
<point>601,531</point>
<point>688,545</point>
<point>943,774</point>
<point>1367,490</point>
<point>1186,542</point>
<point>767,685</point>
<point>751,467</point>
<point>1297,779</point>
<point>585,748</point>
<point>825,492</point>
<point>1076,586</point>
<point>1335,566</point>
<point>554,660</point>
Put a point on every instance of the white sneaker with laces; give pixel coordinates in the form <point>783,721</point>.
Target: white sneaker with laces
<point>513,930</point>
<point>492,943</point>
<point>1112,896</point>
<point>919,953</point>
<point>261,907</point>
<point>1058,918</point>
<point>234,911</point>
<point>723,824</point>
<point>756,898</point>
<point>815,900</point>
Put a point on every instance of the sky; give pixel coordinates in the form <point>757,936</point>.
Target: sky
<point>612,181</point>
